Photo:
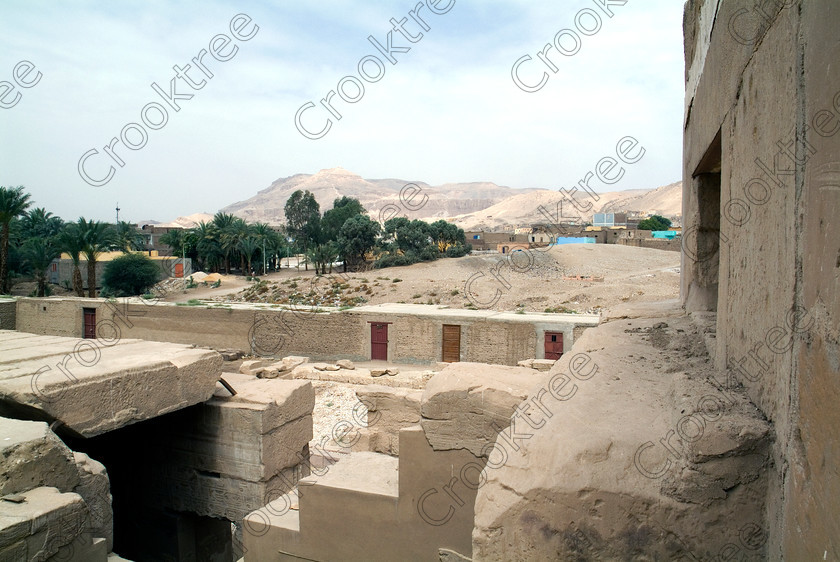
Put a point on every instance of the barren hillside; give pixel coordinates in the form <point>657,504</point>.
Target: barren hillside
<point>421,201</point>
<point>477,205</point>
<point>552,206</point>
<point>532,282</point>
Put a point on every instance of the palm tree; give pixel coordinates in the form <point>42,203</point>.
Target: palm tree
<point>223,223</point>
<point>40,252</point>
<point>70,242</point>
<point>248,247</point>
<point>13,203</point>
<point>40,223</point>
<point>97,237</point>
<point>207,245</point>
<point>128,238</point>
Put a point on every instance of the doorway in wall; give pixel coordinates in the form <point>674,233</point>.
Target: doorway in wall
<point>379,341</point>
<point>706,255</point>
<point>553,345</point>
<point>451,343</point>
<point>89,315</point>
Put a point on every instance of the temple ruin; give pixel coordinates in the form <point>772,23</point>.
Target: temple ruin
<point>704,428</point>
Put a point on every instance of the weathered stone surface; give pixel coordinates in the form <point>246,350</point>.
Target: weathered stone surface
<point>32,456</point>
<point>542,364</point>
<point>47,524</point>
<point>345,364</point>
<point>586,476</point>
<point>252,366</point>
<point>378,372</point>
<point>94,386</point>
<point>95,488</point>
<point>288,363</point>
<point>231,354</point>
<point>389,410</point>
<point>526,363</point>
<point>467,404</point>
<point>325,367</point>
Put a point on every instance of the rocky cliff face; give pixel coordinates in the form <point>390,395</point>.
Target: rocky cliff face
<point>414,199</point>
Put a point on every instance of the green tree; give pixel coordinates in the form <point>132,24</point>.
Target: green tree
<point>446,234</point>
<point>130,275</point>
<point>303,217</point>
<point>39,254</point>
<point>356,238</point>
<point>97,237</point>
<point>322,256</point>
<point>247,248</point>
<point>656,222</point>
<point>13,203</point>
<point>40,223</point>
<point>208,246</point>
<point>128,238</point>
<point>332,221</point>
<point>70,241</point>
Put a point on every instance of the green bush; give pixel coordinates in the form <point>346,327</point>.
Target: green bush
<point>458,251</point>
<point>130,275</point>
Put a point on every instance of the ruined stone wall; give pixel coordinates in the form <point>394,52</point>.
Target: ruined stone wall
<point>655,243</point>
<point>52,317</point>
<point>7,314</point>
<point>413,338</point>
<point>763,124</point>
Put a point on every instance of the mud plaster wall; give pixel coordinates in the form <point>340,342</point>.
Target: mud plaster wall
<point>278,332</point>
<point>780,240</point>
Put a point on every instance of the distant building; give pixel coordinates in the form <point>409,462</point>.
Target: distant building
<point>610,220</point>
<point>60,270</point>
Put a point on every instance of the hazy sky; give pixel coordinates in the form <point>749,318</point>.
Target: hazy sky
<point>449,110</point>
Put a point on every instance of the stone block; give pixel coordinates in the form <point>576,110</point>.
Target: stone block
<point>95,488</point>
<point>95,386</point>
<point>467,404</point>
<point>32,456</point>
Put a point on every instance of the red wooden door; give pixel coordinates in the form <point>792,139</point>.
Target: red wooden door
<point>451,343</point>
<point>553,345</point>
<point>379,341</point>
<point>89,323</point>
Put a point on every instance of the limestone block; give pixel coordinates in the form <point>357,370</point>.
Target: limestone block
<point>47,523</point>
<point>95,488</point>
<point>290,362</point>
<point>252,366</point>
<point>345,364</point>
<point>259,405</point>
<point>543,364</point>
<point>185,489</point>
<point>32,456</point>
<point>467,404</point>
<point>94,386</point>
<point>389,410</point>
<point>526,363</point>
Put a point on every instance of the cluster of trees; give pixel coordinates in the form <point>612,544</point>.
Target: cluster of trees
<point>226,242</point>
<point>347,234</point>
<point>31,238</point>
<point>655,222</point>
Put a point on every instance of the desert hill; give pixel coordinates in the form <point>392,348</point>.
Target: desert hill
<point>524,209</point>
<point>478,205</point>
<point>443,201</point>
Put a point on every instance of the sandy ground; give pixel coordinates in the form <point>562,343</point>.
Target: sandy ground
<point>529,281</point>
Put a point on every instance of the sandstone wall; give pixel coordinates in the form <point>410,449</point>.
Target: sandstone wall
<point>768,87</point>
<point>7,314</point>
<point>414,333</point>
<point>655,243</point>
